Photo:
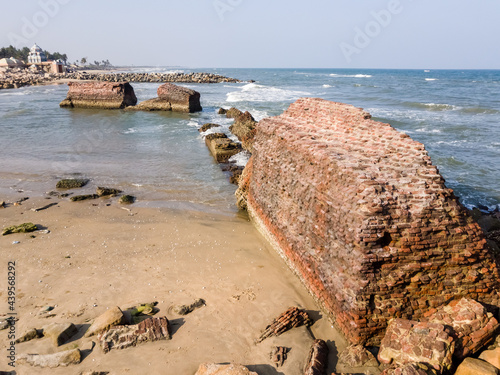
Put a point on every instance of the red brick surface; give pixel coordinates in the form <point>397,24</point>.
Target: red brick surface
<point>363,217</point>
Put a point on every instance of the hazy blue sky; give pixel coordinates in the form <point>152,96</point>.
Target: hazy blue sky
<point>262,33</point>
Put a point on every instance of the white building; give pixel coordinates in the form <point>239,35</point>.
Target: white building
<point>36,55</point>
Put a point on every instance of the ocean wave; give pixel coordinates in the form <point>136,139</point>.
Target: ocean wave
<point>351,75</point>
<point>253,92</point>
<point>431,79</point>
<point>432,106</point>
<point>193,123</point>
<point>480,110</point>
<point>427,130</point>
<point>327,86</point>
<point>130,131</point>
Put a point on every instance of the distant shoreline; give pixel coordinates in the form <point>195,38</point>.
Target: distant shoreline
<point>23,77</point>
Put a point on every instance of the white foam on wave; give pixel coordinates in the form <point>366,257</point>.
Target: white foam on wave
<point>327,86</point>
<point>240,159</point>
<point>431,79</point>
<point>427,130</point>
<point>351,75</point>
<point>130,131</point>
<point>253,92</point>
<point>193,123</point>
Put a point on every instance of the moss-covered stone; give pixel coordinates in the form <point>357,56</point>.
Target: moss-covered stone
<point>71,183</point>
<point>127,199</point>
<point>22,228</point>
<point>85,197</point>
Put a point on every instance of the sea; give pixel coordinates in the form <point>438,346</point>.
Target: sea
<point>161,158</point>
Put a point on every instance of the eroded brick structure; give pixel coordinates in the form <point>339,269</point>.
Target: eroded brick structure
<point>359,212</point>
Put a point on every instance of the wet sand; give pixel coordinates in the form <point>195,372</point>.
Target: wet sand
<point>98,256</point>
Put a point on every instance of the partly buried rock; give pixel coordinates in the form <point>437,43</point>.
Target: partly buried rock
<point>230,369</point>
<point>208,126</point>
<point>172,98</point>
<point>472,366</point>
<point>84,197</point>
<point>66,358</point>
<point>291,318</point>
<point>473,326</point>
<point>221,147</point>
<point>21,228</point>
<point>186,309</point>
<point>278,355</point>
<point>407,341</point>
<point>222,111</point>
<point>317,360</point>
<point>121,337</point>
<point>30,335</point>
<point>71,183</point>
<point>110,318</point>
<point>104,191</point>
<point>244,129</point>
<point>354,359</point>
<point>492,357</point>
<point>107,95</point>
<point>59,333</point>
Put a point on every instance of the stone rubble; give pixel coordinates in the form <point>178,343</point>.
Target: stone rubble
<point>291,318</point>
<point>317,360</point>
<point>121,337</point>
<point>408,341</point>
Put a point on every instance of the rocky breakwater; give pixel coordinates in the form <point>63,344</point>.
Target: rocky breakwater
<point>107,95</point>
<point>172,98</point>
<point>151,77</point>
<point>359,212</point>
<point>15,78</point>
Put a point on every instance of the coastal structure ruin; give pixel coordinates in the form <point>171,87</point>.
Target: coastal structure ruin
<point>106,95</point>
<point>361,215</point>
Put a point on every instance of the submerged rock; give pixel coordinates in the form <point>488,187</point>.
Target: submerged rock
<point>222,111</point>
<point>84,197</point>
<point>70,183</point>
<point>21,228</point>
<point>127,199</point>
<point>104,191</point>
<point>207,126</point>
<point>106,95</point>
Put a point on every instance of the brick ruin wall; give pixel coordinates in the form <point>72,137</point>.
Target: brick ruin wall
<point>359,212</point>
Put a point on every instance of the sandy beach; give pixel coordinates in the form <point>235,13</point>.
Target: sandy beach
<point>98,255</point>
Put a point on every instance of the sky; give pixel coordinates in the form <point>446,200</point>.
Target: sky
<point>387,34</point>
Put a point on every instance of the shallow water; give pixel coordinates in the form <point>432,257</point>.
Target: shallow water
<point>161,157</point>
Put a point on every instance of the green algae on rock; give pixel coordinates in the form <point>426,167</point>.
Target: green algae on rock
<point>22,228</point>
<point>71,183</point>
